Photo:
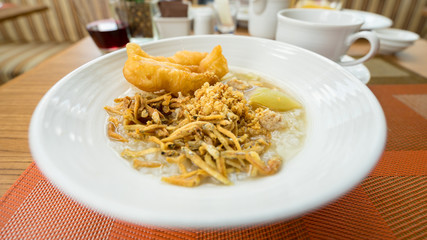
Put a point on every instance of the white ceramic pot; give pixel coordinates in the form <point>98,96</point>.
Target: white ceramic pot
<point>262,17</point>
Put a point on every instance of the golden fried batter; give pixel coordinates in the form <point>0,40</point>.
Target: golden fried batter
<point>182,57</point>
<point>184,72</point>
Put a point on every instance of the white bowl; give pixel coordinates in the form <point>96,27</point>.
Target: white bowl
<point>393,40</point>
<point>346,132</point>
<point>395,43</point>
<point>397,35</point>
<point>391,47</point>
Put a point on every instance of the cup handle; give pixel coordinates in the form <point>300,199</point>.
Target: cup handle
<point>373,41</point>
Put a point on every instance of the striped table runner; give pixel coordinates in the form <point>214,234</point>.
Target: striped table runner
<point>391,203</point>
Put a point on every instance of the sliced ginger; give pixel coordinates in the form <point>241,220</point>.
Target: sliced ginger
<point>272,99</point>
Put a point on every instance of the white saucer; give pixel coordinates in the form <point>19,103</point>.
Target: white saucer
<point>372,20</point>
<point>360,71</point>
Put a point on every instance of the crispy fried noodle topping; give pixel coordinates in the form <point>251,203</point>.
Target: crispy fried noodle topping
<point>215,130</point>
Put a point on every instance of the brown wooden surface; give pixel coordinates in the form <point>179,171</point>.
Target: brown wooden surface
<point>20,96</point>
<point>18,99</point>
<point>17,11</point>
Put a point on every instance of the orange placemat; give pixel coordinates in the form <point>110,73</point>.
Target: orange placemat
<point>391,203</point>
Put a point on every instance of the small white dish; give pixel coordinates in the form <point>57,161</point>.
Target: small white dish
<point>345,137</point>
<point>387,49</point>
<point>393,40</point>
<point>372,20</point>
<point>360,71</point>
<point>394,43</point>
<point>397,35</point>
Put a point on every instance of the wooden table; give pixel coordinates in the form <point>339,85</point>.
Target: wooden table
<point>413,58</point>
<point>18,99</point>
<point>12,11</point>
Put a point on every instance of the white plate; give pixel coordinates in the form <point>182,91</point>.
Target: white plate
<point>360,71</point>
<point>372,20</point>
<point>346,133</point>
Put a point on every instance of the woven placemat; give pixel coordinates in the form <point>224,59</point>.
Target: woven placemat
<point>391,203</point>
<point>383,71</point>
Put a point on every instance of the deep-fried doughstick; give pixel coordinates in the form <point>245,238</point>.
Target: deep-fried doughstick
<point>181,57</point>
<point>174,74</point>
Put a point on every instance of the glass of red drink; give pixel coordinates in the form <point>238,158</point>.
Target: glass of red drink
<point>106,22</point>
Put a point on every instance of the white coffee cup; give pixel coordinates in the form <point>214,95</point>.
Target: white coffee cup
<point>262,17</point>
<point>327,32</point>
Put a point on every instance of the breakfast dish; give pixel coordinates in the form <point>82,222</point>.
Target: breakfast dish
<point>212,127</point>
<point>344,136</point>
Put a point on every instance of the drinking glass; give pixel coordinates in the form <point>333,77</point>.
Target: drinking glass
<point>105,21</point>
<point>225,12</point>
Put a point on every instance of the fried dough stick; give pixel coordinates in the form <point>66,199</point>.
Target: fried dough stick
<point>187,58</point>
<point>174,74</point>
